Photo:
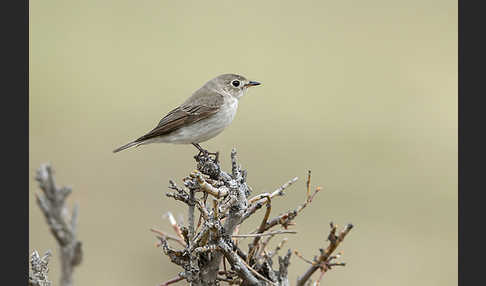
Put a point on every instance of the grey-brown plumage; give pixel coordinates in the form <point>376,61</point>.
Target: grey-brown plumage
<point>202,116</point>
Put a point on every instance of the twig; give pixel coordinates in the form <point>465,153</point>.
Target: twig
<point>39,269</point>
<point>284,263</point>
<point>279,191</point>
<point>167,236</point>
<point>172,281</point>
<point>235,171</point>
<point>224,207</point>
<point>258,274</point>
<point>257,201</point>
<point>230,281</point>
<point>206,248</point>
<point>202,208</point>
<point>308,184</point>
<point>318,281</point>
<point>261,229</point>
<point>303,258</point>
<point>286,218</point>
<point>174,225</point>
<point>215,209</point>
<point>239,264</point>
<point>236,231</point>
<point>271,233</point>
<point>308,199</point>
<point>279,246</point>
<point>178,257</point>
<point>334,241</point>
<point>216,192</point>
<point>52,204</point>
<point>262,253</point>
<point>190,221</point>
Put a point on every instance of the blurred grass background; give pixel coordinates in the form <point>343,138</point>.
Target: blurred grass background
<point>363,93</point>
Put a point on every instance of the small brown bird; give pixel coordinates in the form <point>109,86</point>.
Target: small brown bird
<point>202,116</point>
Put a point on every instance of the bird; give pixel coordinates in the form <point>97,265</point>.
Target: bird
<point>204,115</point>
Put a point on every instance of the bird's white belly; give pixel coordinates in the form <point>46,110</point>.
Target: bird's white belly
<point>204,129</point>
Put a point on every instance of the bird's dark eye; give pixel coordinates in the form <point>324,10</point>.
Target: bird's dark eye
<point>235,83</point>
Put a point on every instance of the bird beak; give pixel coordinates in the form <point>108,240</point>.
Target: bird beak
<point>252,83</point>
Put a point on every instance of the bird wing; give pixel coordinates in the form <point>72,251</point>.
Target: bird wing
<point>202,104</point>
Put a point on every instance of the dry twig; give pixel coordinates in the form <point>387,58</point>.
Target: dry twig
<point>211,249</point>
<point>270,233</point>
<point>325,257</point>
<point>38,269</point>
<point>52,204</point>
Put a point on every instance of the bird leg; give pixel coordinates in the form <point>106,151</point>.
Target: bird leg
<point>206,152</point>
<point>201,150</point>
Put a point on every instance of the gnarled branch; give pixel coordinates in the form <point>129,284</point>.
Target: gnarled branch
<point>207,249</point>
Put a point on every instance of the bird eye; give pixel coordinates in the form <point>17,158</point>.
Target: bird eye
<point>235,83</point>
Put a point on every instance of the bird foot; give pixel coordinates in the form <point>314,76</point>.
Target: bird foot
<point>205,153</point>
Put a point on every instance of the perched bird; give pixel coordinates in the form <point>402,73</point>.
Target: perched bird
<point>202,116</point>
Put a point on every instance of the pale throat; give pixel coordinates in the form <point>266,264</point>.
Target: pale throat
<point>232,106</point>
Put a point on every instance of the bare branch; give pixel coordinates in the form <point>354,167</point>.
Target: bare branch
<point>303,258</point>
<point>216,192</point>
<point>193,262</point>
<point>308,184</point>
<point>239,265</point>
<point>167,236</point>
<point>172,281</point>
<point>38,269</point>
<point>52,204</point>
<point>270,233</point>
<point>173,224</point>
<point>286,219</point>
<point>284,263</point>
<point>261,229</point>
<point>258,201</point>
<point>279,191</point>
<point>235,171</point>
<point>279,246</point>
<point>334,241</point>
<point>211,254</point>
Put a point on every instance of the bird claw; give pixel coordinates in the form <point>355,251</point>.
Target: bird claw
<point>203,153</point>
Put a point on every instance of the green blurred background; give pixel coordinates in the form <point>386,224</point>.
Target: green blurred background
<point>363,93</point>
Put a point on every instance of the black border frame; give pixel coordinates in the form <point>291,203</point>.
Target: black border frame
<point>15,139</point>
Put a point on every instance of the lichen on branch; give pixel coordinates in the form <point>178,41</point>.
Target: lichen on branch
<point>208,251</point>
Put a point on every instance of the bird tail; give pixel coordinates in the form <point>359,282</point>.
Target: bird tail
<point>128,145</point>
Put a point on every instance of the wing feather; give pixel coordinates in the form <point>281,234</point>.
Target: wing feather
<point>202,104</point>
